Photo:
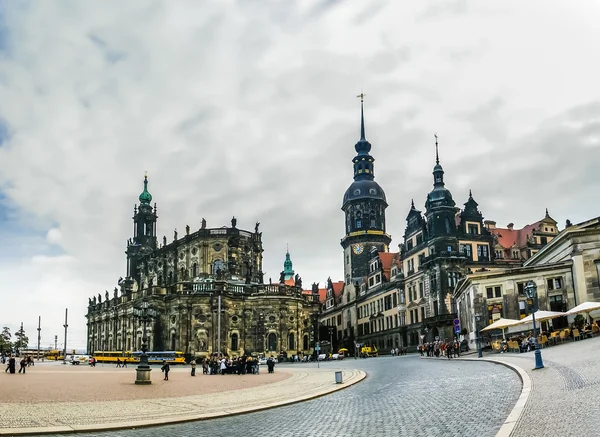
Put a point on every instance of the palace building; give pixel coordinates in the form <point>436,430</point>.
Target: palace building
<point>404,299</point>
<point>187,281</point>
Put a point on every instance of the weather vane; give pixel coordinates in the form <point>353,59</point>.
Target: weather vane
<point>362,97</point>
<point>145,173</point>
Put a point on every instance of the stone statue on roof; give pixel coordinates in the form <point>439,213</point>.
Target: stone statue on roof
<point>315,287</point>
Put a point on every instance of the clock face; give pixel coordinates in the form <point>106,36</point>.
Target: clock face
<point>358,249</point>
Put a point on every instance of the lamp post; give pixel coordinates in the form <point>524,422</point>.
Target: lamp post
<point>531,292</point>
<point>479,351</point>
<point>145,313</point>
<point>331,339</point>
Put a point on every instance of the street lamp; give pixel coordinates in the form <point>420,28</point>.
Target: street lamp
<point>531,292</point>
<point>331,339</point>
<point>478,339</point>
<point>145,313</point>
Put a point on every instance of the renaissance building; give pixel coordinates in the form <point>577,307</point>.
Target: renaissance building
<point>187,280</point>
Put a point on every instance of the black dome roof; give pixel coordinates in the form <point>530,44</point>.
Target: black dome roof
<point>363,189</point>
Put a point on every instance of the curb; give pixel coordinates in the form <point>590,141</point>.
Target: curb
<point>64,429</point>
<point>511,421</point>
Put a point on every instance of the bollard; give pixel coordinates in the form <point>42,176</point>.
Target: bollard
<point>338,377</point>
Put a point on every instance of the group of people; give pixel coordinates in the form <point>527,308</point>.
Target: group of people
<point>444,348</point>
<point>11,364</point>
<point>220,365</point>
<point>398,351</point>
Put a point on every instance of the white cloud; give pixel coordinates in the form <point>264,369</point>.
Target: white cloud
<point>240,109</point>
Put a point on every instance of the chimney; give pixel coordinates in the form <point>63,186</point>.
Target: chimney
<point>489,224</point>
<point>510,226</point>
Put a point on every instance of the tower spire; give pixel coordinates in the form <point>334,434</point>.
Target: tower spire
<point>437,155</point>
<point>362,116</point>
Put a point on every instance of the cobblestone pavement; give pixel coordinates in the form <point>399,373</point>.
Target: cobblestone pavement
<point>405,396</point>
<point>564,396</point>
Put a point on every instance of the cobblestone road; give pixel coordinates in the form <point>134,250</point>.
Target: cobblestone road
<point>563,399</point>
<point>404,396</point>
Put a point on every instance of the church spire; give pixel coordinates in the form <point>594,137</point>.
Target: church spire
<point>145,197</point>
<point>288,271</point>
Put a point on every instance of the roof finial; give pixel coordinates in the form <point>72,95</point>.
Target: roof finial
<point>437,156</point>
<point>362,116</point>
<point>287,248</point>
<point>146,174</point>
<point>547,215</point>
<point>470,194</point>
<point>412,203</point>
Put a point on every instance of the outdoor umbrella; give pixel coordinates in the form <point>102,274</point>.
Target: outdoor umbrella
<point>540,316</point>
<point>586,307</point>
<point>502,324</point>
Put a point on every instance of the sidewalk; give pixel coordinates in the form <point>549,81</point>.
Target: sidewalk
<point>62,417</point>
<point>563,397</point>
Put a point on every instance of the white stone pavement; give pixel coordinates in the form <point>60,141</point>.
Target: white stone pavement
<point>562,398</point>
<point>305,383</point>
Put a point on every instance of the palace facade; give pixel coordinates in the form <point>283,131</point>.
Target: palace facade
<point>405,298</point>
<point>188,280</point>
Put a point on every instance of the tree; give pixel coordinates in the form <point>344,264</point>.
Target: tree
<point>22,340</point>
<point>5,337</point>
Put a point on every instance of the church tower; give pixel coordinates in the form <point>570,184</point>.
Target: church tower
<point>144,232</point>
<point>288,270</point>
<point>364,206</point>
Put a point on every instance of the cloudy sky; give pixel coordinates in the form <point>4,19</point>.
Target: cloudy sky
<point>249,108</point>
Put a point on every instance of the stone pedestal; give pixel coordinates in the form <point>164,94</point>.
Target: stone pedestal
<point>143,375</point>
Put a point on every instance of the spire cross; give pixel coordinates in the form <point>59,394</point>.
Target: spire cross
<point>362,97</point>
<point>437,156</point>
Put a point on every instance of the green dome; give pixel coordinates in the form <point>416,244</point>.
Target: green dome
<point>145,197</point>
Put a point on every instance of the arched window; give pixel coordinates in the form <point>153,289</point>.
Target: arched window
<point>305,342</point>
<point>181,274</point>
<point>291,342</point>
<point>194,270</point>
<point>272,342</point>
<point>173,342</point>
<point>373,218</point>
<point>234,342</point>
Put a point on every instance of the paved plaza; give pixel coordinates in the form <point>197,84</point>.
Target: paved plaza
<point>106,397</point>
<point>405,395</point>
<point>402,396</point>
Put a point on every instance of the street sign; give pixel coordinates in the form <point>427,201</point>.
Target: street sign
<point>317,347</point>
<point>456,322</point>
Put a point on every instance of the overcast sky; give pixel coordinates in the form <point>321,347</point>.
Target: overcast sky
<point>249,108</point>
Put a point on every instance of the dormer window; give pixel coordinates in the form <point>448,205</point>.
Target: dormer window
<point>358,224</point>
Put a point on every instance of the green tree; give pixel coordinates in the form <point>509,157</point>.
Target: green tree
<point>21,341</point>
<point>5,337</point>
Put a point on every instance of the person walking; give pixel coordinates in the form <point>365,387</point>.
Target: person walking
<point>23,365</point>
<point>193,364</point>
<point>118,363</point>
<point>166,369</point>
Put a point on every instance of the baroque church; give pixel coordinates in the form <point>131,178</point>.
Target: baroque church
<point>186,280</point>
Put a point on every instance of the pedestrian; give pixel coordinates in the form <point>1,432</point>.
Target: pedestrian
<point>166,368</point>
<point>23,365</point>
<point>118,363</point>
<point>193,364</point>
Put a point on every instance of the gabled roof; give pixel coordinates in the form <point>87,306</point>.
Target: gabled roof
<point>338,289</point>
<point>508,238</point>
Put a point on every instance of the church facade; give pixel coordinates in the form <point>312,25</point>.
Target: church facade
<point>187,281</point>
